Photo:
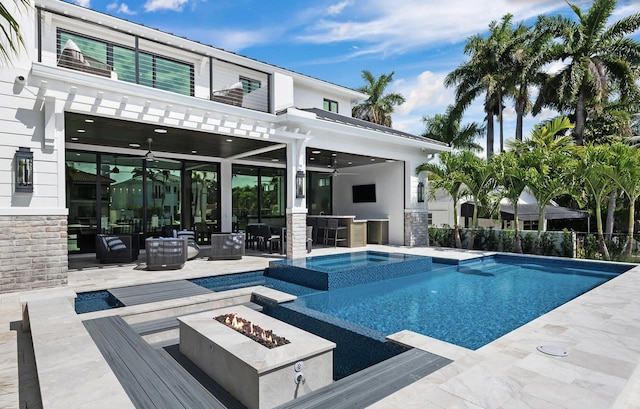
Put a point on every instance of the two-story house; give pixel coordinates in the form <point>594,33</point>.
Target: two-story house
<point>107,124</point>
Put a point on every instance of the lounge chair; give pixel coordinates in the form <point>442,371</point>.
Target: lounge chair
<point>193,249</point>
<point>122,248</point>
<point>231,95</point>
<point>71,57</point>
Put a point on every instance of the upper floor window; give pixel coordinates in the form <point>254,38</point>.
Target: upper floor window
<point>249,84</point>
<point>102,58</point>
<point>329,105</point>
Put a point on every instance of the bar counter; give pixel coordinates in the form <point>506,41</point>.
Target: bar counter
<point>355,234</point>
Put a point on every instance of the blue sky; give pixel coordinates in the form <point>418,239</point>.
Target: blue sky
<point>334,40</point>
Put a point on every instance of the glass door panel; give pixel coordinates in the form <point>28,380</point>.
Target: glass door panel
<point>203,214</point>
<point>122,205</point>
<point>163,191</point>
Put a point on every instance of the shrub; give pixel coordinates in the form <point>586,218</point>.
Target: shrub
<point>527,243</point>
<point>566,246</point>
<point>590,246</point>
<point>506,238</point>
<point>492,240</point>
<point>480,240</point>
<point>547,244</point>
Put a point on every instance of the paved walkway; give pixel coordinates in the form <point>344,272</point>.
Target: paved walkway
<point>600,330</point>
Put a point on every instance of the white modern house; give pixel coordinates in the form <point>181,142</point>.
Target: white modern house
<point>111,126</point>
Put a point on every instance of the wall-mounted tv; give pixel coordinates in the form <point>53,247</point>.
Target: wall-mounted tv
<point>364,193</point>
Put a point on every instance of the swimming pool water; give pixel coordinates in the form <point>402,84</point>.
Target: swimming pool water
<point>468,305</point>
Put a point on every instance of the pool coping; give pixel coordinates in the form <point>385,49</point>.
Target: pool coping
<point>505,373</point>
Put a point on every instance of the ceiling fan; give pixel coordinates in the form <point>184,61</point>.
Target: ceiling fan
<point>335,171</point>
<point>151,157</point>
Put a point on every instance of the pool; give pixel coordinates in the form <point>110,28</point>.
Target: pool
<point>470,304</point>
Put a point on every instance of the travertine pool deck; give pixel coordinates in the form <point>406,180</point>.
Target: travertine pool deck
<point>600,330</point>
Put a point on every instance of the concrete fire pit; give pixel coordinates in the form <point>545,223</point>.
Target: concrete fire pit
<point>259,377</point>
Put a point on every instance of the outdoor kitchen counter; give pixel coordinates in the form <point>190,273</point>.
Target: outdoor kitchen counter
<point>356,230</point>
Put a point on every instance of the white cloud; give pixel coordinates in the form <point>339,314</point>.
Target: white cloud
<point>426,91</point>
<point>336,9</point>
<point>403,25</point>
<point>121,8</point>
<point>155,5</point>
<point>424,95</point>
<point>83,3</point>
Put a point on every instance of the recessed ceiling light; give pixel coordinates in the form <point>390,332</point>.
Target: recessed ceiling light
<point>74,138</point>
<point>134,145</point>
<point>194,151</point>
<point>158,130</point>
<point>315,152</point>
<point>81,130</point>
<point>334,154</point>
<point>229,140</point>
<point>89,121</point>
<point>389,160</point>
<point>350,163</point>
<point>373,159</point>
<point>328,166</point>
<point>312,158</point>
<point>275,160</point>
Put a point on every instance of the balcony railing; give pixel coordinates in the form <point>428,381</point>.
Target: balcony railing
<point>96,49</point>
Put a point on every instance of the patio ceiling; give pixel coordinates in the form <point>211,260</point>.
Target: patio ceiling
<point>100,131</point>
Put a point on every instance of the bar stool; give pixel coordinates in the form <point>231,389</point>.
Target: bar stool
<point>332,229</point>
<point>321,227</point>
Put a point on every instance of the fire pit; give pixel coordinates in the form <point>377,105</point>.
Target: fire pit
<point>258,376</point>
<point>246,327</point>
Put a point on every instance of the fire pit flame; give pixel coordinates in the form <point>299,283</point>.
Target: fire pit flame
<point>246,327</point>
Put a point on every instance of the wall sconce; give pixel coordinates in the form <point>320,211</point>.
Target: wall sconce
<point>300,184</point>
<point>24,170</point>
<point>420,192</point>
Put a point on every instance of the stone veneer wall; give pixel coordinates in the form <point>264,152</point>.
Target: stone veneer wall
<point>33,252</point>
<point>416,228</point>
<point>296,234</point>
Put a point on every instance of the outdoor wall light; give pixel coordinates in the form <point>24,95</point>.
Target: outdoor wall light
<point>300,184</point>
<point>420,192</point>
<point>24,170</point>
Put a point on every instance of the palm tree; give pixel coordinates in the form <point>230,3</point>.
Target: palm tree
<point>446,176</point>
<point>13,40</point>
<point>594,168</point>
<point>478,179</point>
<point>446,128</point>
<point>626,173</point>
<point>511,177</point>
<point>549,153</point>
<point>529,51</point>
<point>484,74</point>
<point>597,57</point>
<point>379,106</point>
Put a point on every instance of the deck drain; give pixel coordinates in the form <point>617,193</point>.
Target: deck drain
<point>552,350</point>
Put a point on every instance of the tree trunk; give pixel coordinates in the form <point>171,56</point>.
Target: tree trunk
<point>610,214</point>
<point>518,242</point>
<point>456,230</point>
<point>519,120</point>
<point>489,135</point>
<point>602,245</point>
<point>629,244</point>
<point>540,224</point>
<point>501,122</point>
<point>578,131</point>
<point>474,226</point>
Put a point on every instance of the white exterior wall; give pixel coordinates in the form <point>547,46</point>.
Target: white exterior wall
<point>22,124</point>
<point>306,97</point>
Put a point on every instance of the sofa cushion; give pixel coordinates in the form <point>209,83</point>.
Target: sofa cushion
<point>114,243</point>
